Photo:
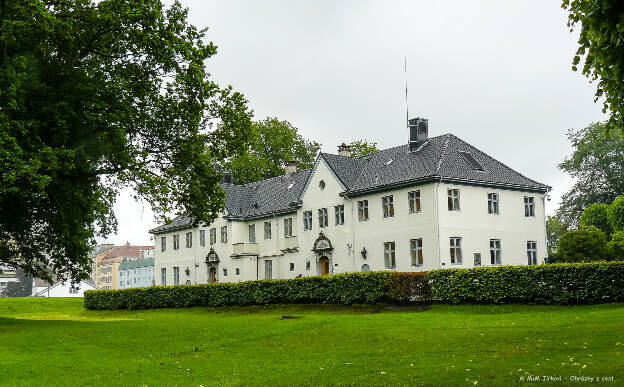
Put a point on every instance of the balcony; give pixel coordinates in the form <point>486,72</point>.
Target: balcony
<point>290,244</point>
<point>239,249</point>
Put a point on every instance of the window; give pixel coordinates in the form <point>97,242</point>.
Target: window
<point>389,255</point>
<point>163,276</point>
<point>213,236</point>
<point>456,254</point>
<point>416,251</point>
<point>252,233</point>
<point>495,251</point>
<point>307,220</point>
<point>413,199</point>
<point>176,241</point>
<point>292,266</point>
<point>202,237</point>
<point>176,276</point>
<point>288,227</point>
<point>532,252</point>
<point>238,271</point>
<point>268,269</point>
<point>322,214</point>
<point>453,199</point>
<point>224,234</point>
<point>387,204</point>
<point>363,210</point>
<point>73,290</point>
<point>322,184</point>
<point>307,265</point>
<point>267,230</point>
<point>189,239</point>
<point>163,243</point>
<point>529,206</point>
<point>225,272</point>
<point>493,203</point>
<point>339,212</point>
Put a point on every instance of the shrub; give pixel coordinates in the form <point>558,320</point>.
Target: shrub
<point>568,283</point>
<point>596,215</point>
<point>615,214</point>
<point>616,246</point>
<point>409,287</point>
<point>588,244</point>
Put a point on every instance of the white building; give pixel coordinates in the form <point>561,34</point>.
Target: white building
<point>7,275</point>
<point>136,274</point>
<point>432,203</point>
<point>63,289</point>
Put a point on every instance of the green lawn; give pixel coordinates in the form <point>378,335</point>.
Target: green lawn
<point>56,342</point>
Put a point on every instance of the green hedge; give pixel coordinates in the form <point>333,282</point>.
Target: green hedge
<point>351,288</point>
<point>567,283</point>
<point>571,283</point>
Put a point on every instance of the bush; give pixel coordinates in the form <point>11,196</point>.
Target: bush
<point>615,214</point>
<point>596,215</point>
<point>409,287</point>
<point>350,288</point>
<point>576,283</point>
<point>616,246</point>
<point>588,244</point>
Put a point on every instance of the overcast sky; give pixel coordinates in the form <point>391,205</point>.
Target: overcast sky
<point>496,74</point>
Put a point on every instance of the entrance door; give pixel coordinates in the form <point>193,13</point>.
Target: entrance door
<point>268,269</point>
<point>324,266</point>
<point>213,275</point>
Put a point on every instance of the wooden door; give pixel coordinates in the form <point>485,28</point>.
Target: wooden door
<point>324,266</point>
<point>213,275</point>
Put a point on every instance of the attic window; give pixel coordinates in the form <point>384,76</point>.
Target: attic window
<point>322,184</point>
<point>472,161</point>
<point>291,185</point>
<point>389,162</point>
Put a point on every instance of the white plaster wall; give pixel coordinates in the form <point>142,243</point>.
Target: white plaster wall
<point>476,227</point>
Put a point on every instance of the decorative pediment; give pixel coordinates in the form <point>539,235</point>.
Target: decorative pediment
<point>322,243</point>
<point>212,256</point>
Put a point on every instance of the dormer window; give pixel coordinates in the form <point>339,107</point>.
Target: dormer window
<point>389,162</point>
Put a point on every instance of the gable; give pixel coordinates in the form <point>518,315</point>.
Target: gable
<point>322,171</point>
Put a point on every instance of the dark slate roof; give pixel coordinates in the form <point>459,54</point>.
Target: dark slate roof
<point>438,157</point>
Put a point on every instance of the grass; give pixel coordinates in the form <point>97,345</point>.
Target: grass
<point>49,342</point>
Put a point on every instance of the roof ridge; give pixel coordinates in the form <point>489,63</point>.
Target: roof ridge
<point>500,162</point>
<point>249,185</point>
<point>443,153</point>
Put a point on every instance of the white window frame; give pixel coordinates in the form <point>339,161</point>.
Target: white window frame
<point>322,215</point>
<point>529,206</point>
<point>288,228</point>
<point>176,241</point>
<point>202,238</point>
<point>387,206</point>
<point>390,255</point>
<point>339,214</point>
<point>362,210</point>
<point>189,239</point>
<point>307,220</point>
<point>268,231</point>
<point>495,252</point>
<point>224,237</point>
<point>493,203</point>
<point>416,252</point>
<point>413,201</point>
<point>163,243</point>
<point>176,275</point>
<point>453,199</point>
<point>455,250</point>
<point>532,252</point>
<point>251,233</point>
<point>213,236</point>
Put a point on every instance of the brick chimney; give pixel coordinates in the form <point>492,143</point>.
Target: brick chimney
<point>290,167</point>
<point>344,150</point>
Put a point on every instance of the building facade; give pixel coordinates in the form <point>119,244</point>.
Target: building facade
<point>64,289</point>
<point>433,203</point>
<point>107,263</point>
<point>136,274</point>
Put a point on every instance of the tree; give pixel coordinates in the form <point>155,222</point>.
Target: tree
<point>598,165</point>
<point>596,215</point>
<point>601,45</point>
<point>615,214</point>
<point>21,288</point>
<point>98,95</point>
<point>273,143</point>
<point>554,230</point>
<point>616,246</point>
<point>589,244</point>
<point>362,148</point>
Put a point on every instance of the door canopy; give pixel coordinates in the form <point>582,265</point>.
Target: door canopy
<point>212,259</point>
<point>322,244</point>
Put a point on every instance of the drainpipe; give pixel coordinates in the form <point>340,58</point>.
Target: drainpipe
<point>437,214</point>
<point>352,236</point>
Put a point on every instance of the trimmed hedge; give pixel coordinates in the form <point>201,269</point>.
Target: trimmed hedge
<point>572,283</point>
<point>349,288</point>
<point>566,283</point>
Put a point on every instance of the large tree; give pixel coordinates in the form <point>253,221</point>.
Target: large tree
<point>601,47</point>
<point>273,143</point>
<point>363,148</point>
<point>597,163</point>
<point>94,96</point>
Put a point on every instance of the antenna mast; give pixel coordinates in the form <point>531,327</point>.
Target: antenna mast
<point>406,103</point>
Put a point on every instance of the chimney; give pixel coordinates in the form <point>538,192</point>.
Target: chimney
<point>418,132</point>
<point>228,178</point>
<point>290,167</point>
<point>344,150</point>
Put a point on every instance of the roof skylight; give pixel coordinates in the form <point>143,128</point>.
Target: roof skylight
<point>472,161</point>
